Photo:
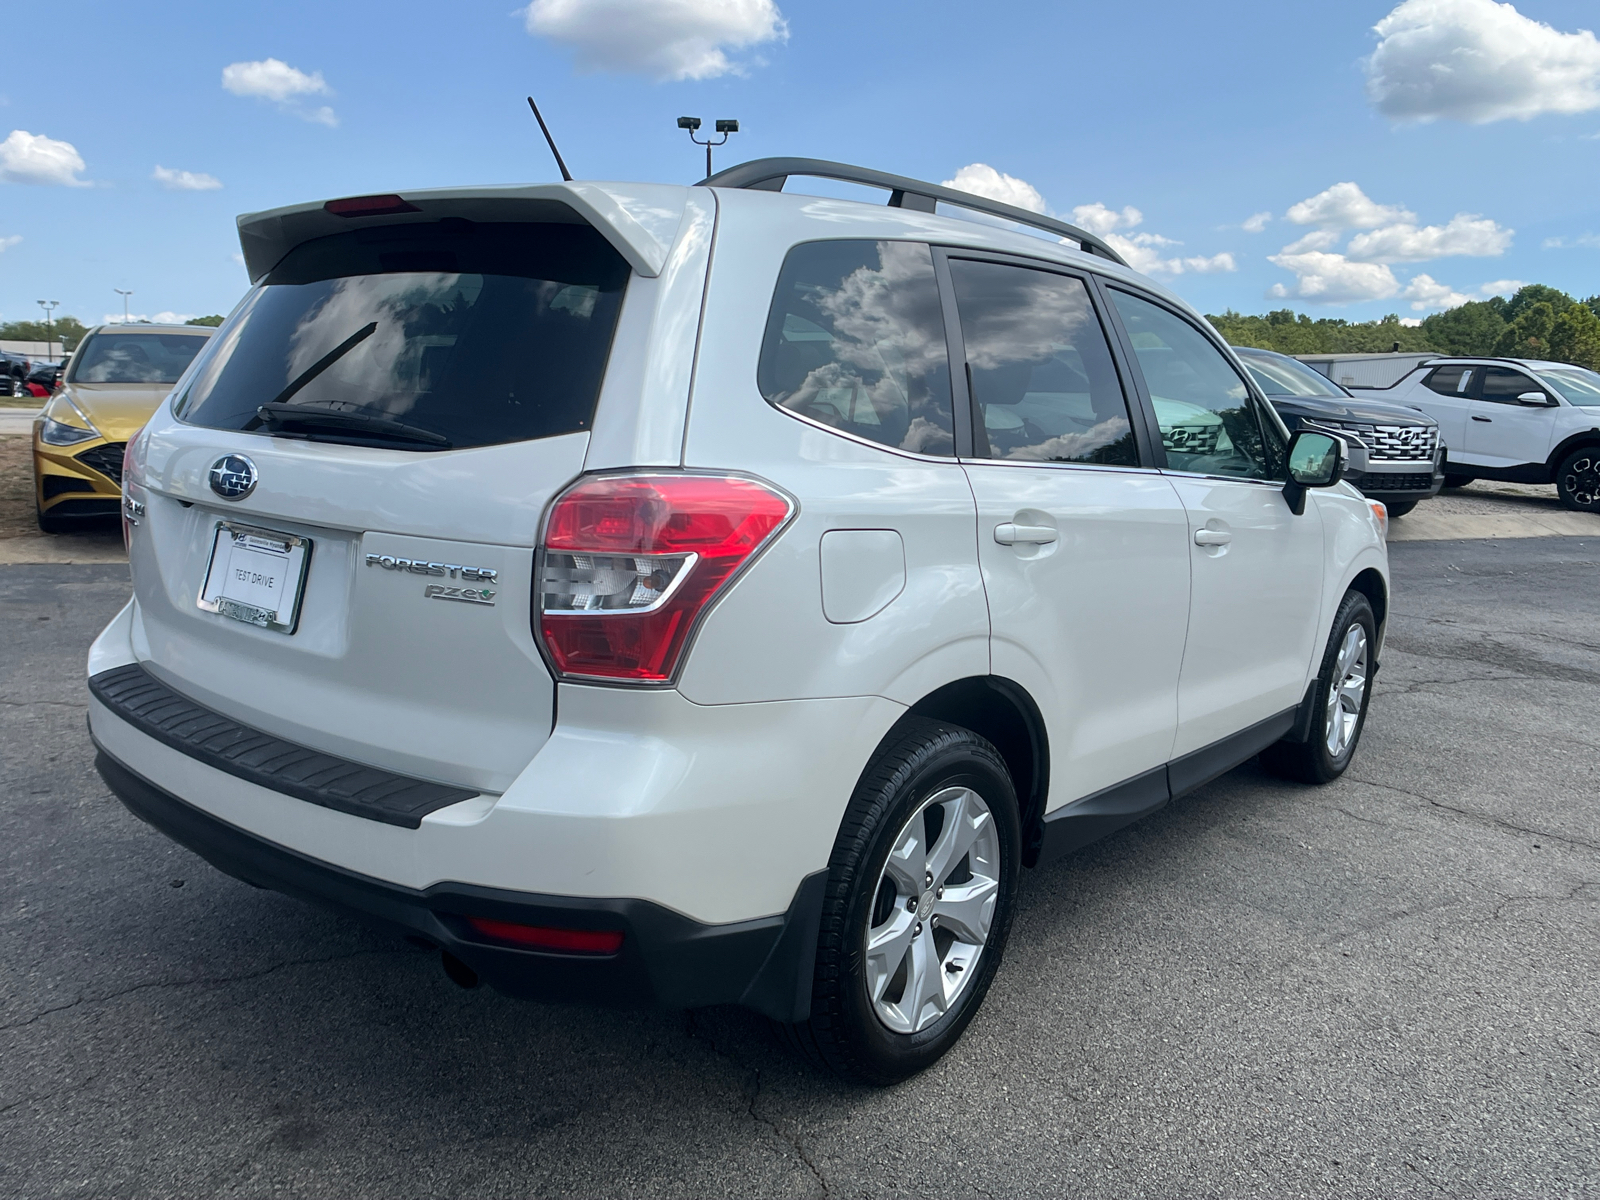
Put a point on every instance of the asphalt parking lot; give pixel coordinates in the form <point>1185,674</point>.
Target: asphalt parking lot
<point>1384,987</point>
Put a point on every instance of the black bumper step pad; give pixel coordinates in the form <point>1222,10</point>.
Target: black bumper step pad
<point>153,708</point>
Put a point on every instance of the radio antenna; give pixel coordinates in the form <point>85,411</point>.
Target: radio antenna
<point>565,174</point>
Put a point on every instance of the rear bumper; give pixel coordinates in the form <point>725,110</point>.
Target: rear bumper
<point>666,959</point>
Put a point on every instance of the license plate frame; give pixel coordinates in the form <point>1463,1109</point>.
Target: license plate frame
<point>269,550</point>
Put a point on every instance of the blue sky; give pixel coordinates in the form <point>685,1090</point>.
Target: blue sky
<point>1197,117</point>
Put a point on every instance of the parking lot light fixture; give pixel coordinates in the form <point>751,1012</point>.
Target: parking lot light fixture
<point>725,126</point>
<point>124,293</point>
<point>50,308</point>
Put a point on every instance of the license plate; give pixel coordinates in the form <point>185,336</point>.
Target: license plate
<point>256,576</point>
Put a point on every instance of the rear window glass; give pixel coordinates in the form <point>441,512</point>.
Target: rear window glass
<point>430,336</point>
<point>136,357</point>
<point>855,340</point>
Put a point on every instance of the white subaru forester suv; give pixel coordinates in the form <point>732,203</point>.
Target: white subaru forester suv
<point>711,595</point>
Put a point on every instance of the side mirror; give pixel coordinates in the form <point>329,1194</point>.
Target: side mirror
<point>1534,399</point>
<point>1316,460</point>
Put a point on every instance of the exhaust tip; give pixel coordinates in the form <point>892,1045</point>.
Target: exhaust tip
<point>457,971</point>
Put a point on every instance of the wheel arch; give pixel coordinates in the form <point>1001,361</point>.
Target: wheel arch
<point>1002,711</point>
<point>1584,437</point>
<point>1371,584</point>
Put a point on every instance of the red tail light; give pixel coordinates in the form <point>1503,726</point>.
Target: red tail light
<point>547,937</point>
<point>631,561</point>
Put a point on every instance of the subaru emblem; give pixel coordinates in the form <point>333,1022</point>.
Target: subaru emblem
<point>233,477</point>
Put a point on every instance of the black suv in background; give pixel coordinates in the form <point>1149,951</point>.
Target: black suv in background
<point>1405,460</point>
<point>13,370</point>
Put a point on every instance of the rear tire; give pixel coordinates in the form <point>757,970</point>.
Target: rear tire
<point>1457,481</point>
<point>899,975</point>
<point>1401,507</point>
<point>1578,480</point>
<point>1339,705</point>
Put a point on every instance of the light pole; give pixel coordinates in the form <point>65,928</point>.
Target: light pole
<point>724,127</point>
<point>124,295</point>
<point>49,306</point>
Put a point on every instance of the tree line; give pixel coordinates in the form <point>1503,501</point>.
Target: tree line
<point>1538,322</point>
<point>68,331</point>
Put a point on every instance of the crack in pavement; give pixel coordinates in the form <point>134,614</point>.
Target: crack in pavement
<point>1567,899</point>
<point>182,983</point>
<point>1479,817</point>
<point>752,1090</point>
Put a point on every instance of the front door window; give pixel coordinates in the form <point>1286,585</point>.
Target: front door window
<point>1209,422</point>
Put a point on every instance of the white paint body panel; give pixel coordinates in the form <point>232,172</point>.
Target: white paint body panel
<point>1255,614</point>
<point>1092,625</point>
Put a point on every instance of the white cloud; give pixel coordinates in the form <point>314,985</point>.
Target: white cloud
<point>272,79</point>
<point>33,158</point>
<point>1588,241</point>
<point>1410,322</point>
<point>160,318</point>
<point>981,179</point>
<point>1333,279</point>
<point>1478,61</point>
<point>1257,222</point>
<point>1317,239</point>
<point>1346,206</point>
<point>275,80</point>
<point>7,242</point>
<point>662,39</point>
<point>1142,251</point>
<point>1099,219</point>
<point>185,181</point>
<point>1466,234</point>
<point>1425,293</point>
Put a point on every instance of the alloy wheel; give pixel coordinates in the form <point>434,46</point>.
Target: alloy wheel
<point>1581,479</point>
<point>1347,691</point>
<point>932,910</point>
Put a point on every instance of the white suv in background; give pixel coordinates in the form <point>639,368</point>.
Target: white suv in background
<point>706,595</point>
<point>1513,419</point>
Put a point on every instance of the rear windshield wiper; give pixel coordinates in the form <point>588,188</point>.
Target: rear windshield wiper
<point>304,418</point>
<point>323,363</point>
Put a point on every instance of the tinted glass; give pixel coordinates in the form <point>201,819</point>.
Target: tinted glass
<point>1043,379</point>
<point>1279,376</point>
<point>136,357</point>
<point>1209,423</point>
<point>1503,386</point>
<point>855,339</point>
<point>1579,385</point>
<point>479,334</point>
<point>1451,381</point>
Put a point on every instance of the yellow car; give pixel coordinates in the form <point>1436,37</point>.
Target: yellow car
<point>117,377</point>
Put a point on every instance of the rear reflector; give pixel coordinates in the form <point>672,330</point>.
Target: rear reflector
<point>368,206</point>
<point>547,937</point>
<point>630,562</point>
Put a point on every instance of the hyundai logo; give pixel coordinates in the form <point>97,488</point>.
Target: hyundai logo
<point>233,477</point>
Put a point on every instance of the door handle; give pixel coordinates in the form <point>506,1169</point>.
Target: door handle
<point>1010,534</point>
<point>1212,537</point>
<point>1485,420</point>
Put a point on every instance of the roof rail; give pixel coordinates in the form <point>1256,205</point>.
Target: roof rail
<point>770,174</point>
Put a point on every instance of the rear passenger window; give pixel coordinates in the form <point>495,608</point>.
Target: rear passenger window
<point>855,340</point>
<point>1043,380</point>
<point>1450,381</point>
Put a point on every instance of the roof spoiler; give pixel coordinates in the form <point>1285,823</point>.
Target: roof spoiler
<point>640,219</point>
<point>770,174</point>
